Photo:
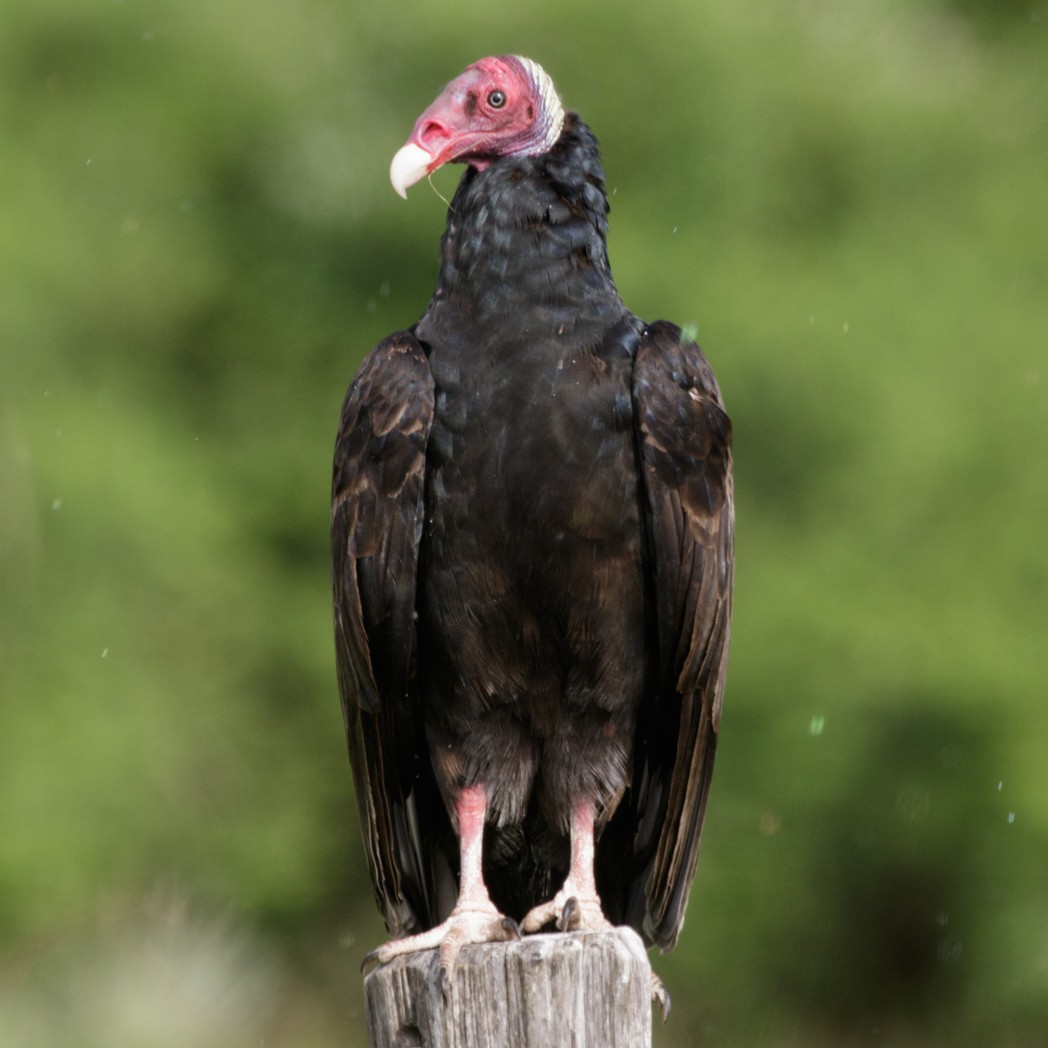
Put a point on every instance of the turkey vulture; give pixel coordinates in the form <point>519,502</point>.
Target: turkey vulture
<point>531,531</point>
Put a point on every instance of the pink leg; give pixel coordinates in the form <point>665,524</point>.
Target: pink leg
<point>471,808</point>
<point>474,918</point>
<point>576,907</point>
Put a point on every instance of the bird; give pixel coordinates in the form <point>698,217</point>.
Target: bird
<point>532,532</point>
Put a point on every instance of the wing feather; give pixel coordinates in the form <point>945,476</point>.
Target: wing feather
<point>376,525</point>
<point>684,440</point>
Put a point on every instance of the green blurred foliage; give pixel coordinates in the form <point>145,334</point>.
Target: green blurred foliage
<point>197,246</point>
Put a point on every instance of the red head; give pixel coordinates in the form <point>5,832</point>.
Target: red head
<point>500,106</point>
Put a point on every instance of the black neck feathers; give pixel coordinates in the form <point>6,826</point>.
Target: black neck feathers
<point>527,234</point>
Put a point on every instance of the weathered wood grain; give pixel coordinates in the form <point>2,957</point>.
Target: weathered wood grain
<point>584,990</point>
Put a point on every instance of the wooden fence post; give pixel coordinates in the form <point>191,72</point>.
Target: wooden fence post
<point>583,990</point>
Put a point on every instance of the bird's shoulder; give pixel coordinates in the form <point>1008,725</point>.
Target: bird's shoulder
<point>385,419</point>
<point>685,430</point>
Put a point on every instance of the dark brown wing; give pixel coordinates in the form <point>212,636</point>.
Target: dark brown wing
<point>376,523</point>
<point>684,441</point>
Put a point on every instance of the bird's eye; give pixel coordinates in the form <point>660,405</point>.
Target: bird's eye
<point>497,99</point>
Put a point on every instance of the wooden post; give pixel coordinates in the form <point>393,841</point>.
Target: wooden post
<point>584,990</point>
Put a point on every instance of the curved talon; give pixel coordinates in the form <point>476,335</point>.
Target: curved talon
<point>447,956</point>
<point>511,928</point>
<point>444,980</point>
<point>571,909</point>
<point>660,994</point>
<point>370,958</point>
<point>569,918</point>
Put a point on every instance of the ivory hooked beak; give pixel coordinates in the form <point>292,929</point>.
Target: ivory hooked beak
<point>410,164</point>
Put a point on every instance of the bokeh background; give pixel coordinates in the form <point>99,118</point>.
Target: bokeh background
<point>198,243</point>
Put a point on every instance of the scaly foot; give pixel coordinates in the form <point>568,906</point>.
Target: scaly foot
<point>573,910</point>
<point>473,923</point>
